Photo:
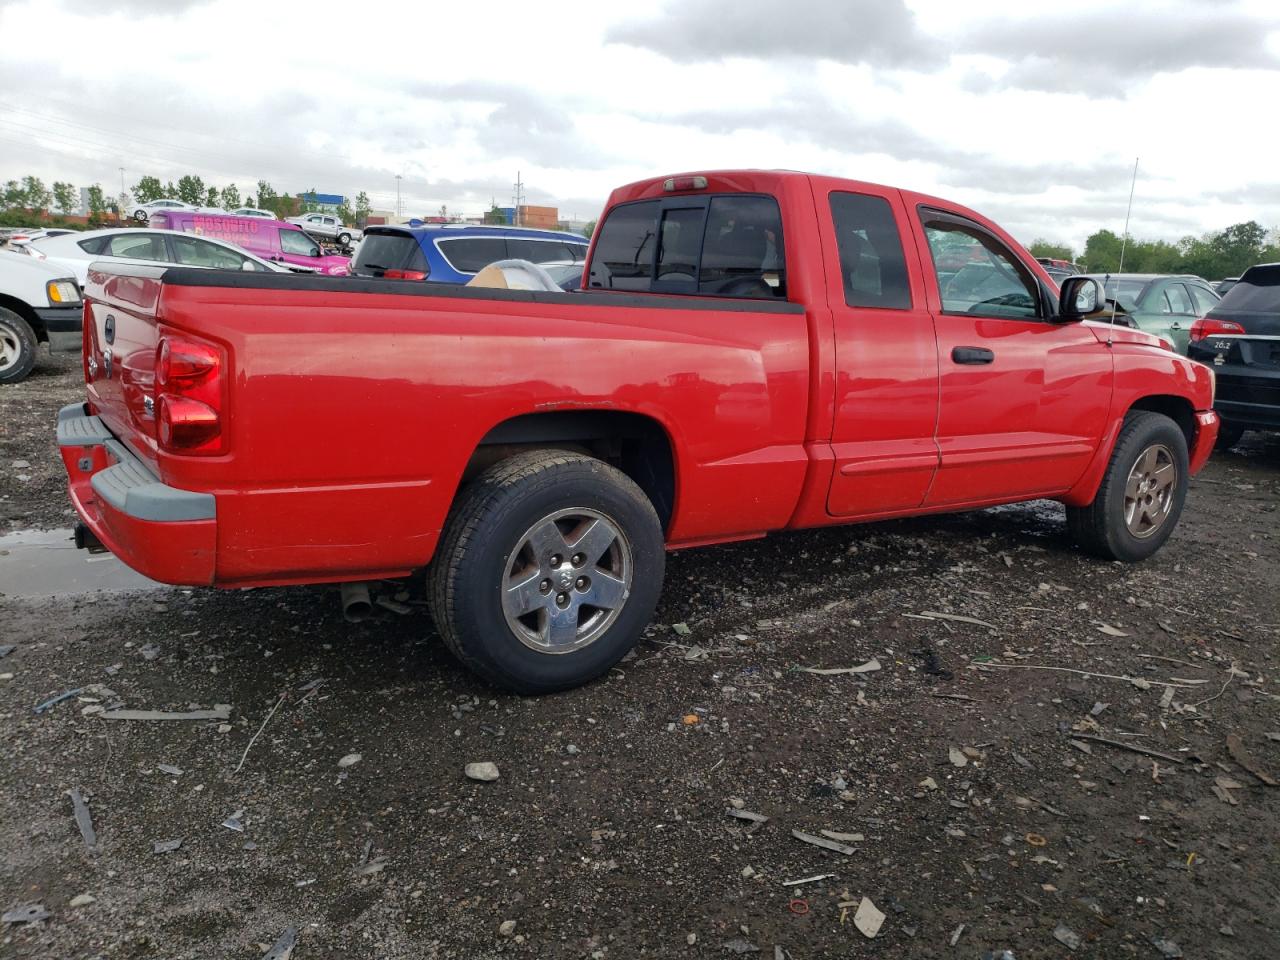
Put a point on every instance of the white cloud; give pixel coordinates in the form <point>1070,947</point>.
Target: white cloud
<point>1032,118</point>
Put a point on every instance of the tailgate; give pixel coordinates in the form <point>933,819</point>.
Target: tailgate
<point>119,351</point>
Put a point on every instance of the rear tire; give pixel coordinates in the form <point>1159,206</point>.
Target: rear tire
<point>18,346</point>
<point>344,239</point>
<point>1229,434</point>
<point>1141,495</point>
<point>549,568</point>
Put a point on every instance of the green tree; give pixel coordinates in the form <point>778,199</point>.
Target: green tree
<point>211,198</point>
<point>230,197</point>
<point>268,199</point>
<point>1055,251</point>
<point>307,202</point>
<point>36,195</point>
<point>1102,252</point>
<point>97,204</point>
<point>344,213</point>
<point>147,189</point>
<point>589,229</point>
<point>170,191</point>
<point>362,209</point>
<point>13,195</point>
<point>64,195</point>
<point>191,190</point>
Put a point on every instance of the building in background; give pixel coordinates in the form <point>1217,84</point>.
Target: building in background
<point>324,202</point>
<point>541,218</point>
<point>574,225</point>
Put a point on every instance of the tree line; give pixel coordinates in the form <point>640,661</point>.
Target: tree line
<point>1213,256</point>
<point>30,195</point>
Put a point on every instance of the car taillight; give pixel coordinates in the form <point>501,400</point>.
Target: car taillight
<point>404,275</point>
<point>1207,327</point>
<point>672,184</point>
<point>189,387</point>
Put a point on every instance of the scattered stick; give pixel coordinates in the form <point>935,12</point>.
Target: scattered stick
<point>1235,746</point>
<point>957,618</point>
<point>955,696</point>
<point>83,819</point>
<point>1185,663</point>
<point>1133,748</point>
<point>1082,673</point>
<point>249,745</point>
<point>1200,703</point>
<point>220,711</point>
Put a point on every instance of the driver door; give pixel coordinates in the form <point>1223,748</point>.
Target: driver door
<point>1023,398</point>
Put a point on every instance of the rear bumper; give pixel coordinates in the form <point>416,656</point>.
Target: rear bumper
<point>164,533</point>
<point>63,324</point>
<point>1249,396</point>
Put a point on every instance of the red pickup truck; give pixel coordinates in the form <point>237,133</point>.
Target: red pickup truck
<point>751,351</point>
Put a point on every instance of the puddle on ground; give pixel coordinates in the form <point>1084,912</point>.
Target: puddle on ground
<point>38,564</point>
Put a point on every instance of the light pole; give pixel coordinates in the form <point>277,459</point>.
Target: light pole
<point>122,179</point>
<point>399,209</point>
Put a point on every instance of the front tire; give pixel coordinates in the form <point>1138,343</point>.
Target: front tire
<point>18,345</point>
<point>344,239</point>
<point>140,216</point>
<point>1141,495</point>
<point>549,568</point>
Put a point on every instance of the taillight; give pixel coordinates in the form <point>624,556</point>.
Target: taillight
<point>404,275</point>
<point>189,395</point>
<point>1207,327</point>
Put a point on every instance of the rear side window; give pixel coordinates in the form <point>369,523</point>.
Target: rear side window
<point>93,244</point>
<point>138,246</point>
<point>1205,299</point>
<point>544,251</point>
<point>1176,300</point>
<point>380,252</point>
<point>473,254</point>
<point>725,246</point>
<point>624,253</point>
<point>871,260</point>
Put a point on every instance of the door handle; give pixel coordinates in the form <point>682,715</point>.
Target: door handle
<point>972,355</point>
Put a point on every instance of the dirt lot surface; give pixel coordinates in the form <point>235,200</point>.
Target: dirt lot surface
<point>979,808</point>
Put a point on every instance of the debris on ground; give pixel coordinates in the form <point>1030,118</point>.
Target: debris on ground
<point>957,618</point>
<point>233,822</point>
<point>957,757</point>
<point>82,900</point>
<point>170,769</point>
<point>871,666</point>
<point>1235,746</point>
<point>28,913</point>
<point>84,820</point>
<point>485,772</point>
<point>165,846</point>
<point>823,842</point>
<point>1067,937</point>
<point>739,945</point>
<point>814,879</point>
<point>1168,949</point>
<point>843,837</point>
<point>350,760</point>
<point>507,928</point>
<point>868,919</point>
<point>54,701</point>
<point>956,934</point>
<point>220,711</point>
<point>282,949</point>
<point>6,649</point>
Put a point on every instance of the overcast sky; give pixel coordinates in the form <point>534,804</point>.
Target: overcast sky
<point>1033,118</point>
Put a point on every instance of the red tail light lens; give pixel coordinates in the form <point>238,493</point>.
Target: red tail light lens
<point>671,184</point>
<point>1207,327</point>
<point>404,275</point>
<point>190,395</point>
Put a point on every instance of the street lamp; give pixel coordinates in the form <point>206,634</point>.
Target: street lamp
<point>399,208</point>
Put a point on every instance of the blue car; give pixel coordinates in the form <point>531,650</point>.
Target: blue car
<point>454,253</point>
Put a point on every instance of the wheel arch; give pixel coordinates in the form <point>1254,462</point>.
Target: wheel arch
<point>24,310</point>
<point>637,444</point>
<point>1178,409</point>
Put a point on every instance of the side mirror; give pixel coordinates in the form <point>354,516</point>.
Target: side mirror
<point>1079,297</point>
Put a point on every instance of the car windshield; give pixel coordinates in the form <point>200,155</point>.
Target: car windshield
<point>1125,292</point>
<point>380,252</point>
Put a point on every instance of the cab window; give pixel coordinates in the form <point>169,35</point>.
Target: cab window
<point>298,243</point>
<point>976,273</point>
<point>723,246</point>
<point>871,260</point>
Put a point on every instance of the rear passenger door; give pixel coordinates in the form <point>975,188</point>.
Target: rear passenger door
<point>886,391</point>
<point>1023,397</point>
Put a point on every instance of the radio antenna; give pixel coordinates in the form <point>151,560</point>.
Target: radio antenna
<point>1124,239</point>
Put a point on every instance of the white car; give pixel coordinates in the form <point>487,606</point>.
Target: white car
<point>142,211</point>
<point>326,226</point>
<point>251,212</point>
<point>75,252</point>
<point>39,303</point>
<point>18,239</point>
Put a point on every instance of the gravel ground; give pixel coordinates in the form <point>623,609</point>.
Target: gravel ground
<point>978,812</point>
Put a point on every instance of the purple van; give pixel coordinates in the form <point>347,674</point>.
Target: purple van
<point>275,240</point>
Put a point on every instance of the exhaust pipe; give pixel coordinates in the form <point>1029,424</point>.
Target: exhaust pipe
<point>85,540</point>
<point>356,605</point>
